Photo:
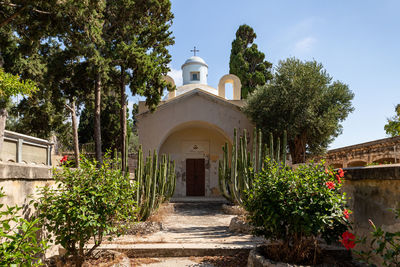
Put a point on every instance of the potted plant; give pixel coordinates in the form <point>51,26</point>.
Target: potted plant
<point>299,212</point>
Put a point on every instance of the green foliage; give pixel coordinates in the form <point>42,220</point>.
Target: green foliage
<point>156,182</point>
<point>110,121</point>
<point>247,62</point>
<point>12,85</point>
<point>236,173</point>
<point>18,238</point>
<point>141,51</point>
<point>86,203</point>
<point>392,128</point>
<point>71,47</point>
<point>295,207</point>
<point>384,247</point>
<point>303,100</point>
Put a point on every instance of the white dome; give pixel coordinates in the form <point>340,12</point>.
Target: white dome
<point>194,71</point>
<point>195,60</point>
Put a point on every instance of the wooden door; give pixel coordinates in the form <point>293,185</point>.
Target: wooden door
<point>195,177</point>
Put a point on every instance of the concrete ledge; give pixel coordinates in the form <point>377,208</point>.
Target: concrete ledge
<point>20,171</point>
<point>177,249</point>
<point>380,172</point>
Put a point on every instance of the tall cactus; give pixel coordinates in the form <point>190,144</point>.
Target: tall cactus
<point>236,175</point>
<point>155,182</point>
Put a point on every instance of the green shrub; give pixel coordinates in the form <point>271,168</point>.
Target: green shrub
<point>384,247</point>
<point>19,245</point>
<point>86,203</point>
<point>296,207</point>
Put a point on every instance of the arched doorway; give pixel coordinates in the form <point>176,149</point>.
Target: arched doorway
<point>196,148</point>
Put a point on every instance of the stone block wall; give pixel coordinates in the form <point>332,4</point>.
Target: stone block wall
<point>373,191</point>
<point>19,181</point>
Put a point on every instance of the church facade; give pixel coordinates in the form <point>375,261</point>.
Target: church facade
<point>192,125</point>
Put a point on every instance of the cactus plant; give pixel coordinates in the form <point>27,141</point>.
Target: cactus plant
<point>155,182</point>
<point>237,173</point>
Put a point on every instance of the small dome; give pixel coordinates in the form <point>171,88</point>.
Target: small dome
<point>195,60</point>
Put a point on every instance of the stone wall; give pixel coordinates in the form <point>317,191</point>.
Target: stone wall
<point>21,148</point>
<point>373,192</point>
<point>19,181</point>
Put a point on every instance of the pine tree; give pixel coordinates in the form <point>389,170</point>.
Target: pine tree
<point>247,62</point>
<point>138,53</point>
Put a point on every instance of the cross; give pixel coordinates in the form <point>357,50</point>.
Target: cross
<point>194,51</point>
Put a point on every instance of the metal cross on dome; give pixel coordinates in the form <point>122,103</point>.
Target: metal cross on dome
<point>194,51</point>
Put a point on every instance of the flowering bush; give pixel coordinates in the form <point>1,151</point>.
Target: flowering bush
<point>87,203</point>
<point>348,240</point>
<point>64,159</point>
<point>296,207</point>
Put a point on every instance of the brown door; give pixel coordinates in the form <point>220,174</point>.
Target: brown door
<point>195,177</point>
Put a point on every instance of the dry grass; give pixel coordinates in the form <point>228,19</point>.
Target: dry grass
<point>139,261</point>
<point>238,260</point>
<point>160,214</point>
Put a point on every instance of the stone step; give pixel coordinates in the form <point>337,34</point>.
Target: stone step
<point>198,200</point>
<point>178,249</point>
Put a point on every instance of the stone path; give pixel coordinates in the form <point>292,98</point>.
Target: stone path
<point>193,229</point>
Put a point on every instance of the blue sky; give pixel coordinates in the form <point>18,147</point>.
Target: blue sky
<point>358,42</point>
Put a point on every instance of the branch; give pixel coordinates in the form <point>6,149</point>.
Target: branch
<point>18,12</point>
<point>8,20</point>
<point>33,9</point>
<point>68,107</point>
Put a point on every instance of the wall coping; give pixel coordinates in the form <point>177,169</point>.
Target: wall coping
<point>18,171</point>
<point>379,172</point>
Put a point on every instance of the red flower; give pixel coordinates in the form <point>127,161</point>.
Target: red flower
<point>346,213</point>
<point>348,240</point>
<point>338,179</point>
<point>326,171</point>
<point>64,159</point>
<point>330,185</point>
<point>341,173</point>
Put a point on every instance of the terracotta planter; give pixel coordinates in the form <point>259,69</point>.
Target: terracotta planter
<point>332,256</point>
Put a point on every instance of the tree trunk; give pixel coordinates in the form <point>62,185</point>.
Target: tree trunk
<point>297,149</point>
<point>97,125</point>
<point>75,132</point>
<point>123,120</point>
<point>3,118</point>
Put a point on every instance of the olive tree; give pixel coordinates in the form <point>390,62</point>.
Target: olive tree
<point>302,99</point>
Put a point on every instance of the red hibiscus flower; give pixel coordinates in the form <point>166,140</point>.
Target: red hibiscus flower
<point>64,159</point>
<point>341,173</point>
<point>330,185</point>
<point>338,179</point>
<point>348,240</point>
<point>346,213</point>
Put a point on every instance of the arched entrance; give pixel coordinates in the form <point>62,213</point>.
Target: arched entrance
<point>196,148</point>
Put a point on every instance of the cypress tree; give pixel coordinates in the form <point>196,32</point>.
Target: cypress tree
<point>247,62</point>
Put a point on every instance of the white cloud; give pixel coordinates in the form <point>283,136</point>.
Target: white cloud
<point>305,45</point>
<point>176,75</point>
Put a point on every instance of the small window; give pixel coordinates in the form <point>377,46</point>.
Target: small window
<point>195,76</point>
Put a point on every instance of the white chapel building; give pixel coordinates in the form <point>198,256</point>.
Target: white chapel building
<point>192,126</point>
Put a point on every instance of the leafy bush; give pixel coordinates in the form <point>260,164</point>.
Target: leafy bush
<point>18,238</point>
<point>296,207</point>
<point>86,203</point>
<point>384,247</point>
